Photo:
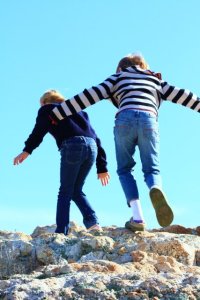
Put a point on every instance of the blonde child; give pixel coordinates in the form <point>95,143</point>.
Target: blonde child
<point>138,93</point>
<point>79,148</point>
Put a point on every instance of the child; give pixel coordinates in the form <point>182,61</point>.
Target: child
<point>80,148</point>
<point>138,94</point>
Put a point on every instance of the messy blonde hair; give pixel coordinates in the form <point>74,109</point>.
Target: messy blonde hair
<point>51,96</point>
<point>132,60</point>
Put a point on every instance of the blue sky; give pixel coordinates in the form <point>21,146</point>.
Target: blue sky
<point>71,45</point>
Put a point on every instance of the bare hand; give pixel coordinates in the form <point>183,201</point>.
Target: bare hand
<point>20,158</point>
<point>104,177</point>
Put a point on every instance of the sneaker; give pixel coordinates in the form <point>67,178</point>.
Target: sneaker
<point>163,211</point>
<point>95,227</point>
<point>134,226</point>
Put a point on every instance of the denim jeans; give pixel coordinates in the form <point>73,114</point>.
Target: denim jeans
<point>137,128</point>
<point>78,155</point>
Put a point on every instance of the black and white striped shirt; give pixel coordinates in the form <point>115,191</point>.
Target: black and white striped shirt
<point>132,88</point>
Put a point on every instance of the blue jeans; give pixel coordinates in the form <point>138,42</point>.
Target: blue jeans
<point>137,128</point>
<point>78,155</point>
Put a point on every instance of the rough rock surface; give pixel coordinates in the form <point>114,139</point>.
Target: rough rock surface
<point>113,264</point>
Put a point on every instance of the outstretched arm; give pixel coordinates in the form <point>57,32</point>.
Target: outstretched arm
<point>35,138</point>
<point>180,96</point>
<point>86,98</point>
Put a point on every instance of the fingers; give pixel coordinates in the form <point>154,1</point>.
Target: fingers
<point>104,181</point>
<point>17,160</point>
<point>104,177</point>
<point>20,158</point>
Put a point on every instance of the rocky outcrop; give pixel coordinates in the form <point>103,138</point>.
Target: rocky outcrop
<point>113,264</point>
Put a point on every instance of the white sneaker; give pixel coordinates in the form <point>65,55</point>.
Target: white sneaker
<point>95,227</point>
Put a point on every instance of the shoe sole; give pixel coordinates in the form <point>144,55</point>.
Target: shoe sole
<point>134,227</point>
<point>163,211</point>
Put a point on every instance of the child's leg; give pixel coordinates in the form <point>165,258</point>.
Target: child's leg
<point>125,148</point>
<point>89,215</point>
<point>148,143</point>
<point>125,132</point>
<point>71,159</point>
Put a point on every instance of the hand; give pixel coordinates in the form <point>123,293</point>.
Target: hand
<point>104,177</point>
<point>20,158</point>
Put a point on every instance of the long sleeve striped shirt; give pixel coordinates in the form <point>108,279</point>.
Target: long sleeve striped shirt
<point>132,88</point>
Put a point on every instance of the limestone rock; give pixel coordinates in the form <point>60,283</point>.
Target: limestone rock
<point>113,264</point>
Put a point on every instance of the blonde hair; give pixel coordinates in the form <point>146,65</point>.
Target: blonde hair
<point>51,96</point>
<point>132,60</point>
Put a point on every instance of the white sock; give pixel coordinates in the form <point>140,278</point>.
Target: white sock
<point>137,210</point>
<point>156,187</point>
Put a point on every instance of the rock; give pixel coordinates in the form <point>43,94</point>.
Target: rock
<point>176,229</point>
<point>97,243</point>
<point>113,264</point>
<point>43,230</point>
<point>175,248</point>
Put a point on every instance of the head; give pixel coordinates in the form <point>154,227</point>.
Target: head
<point>134,59</point>
<point>51,96</point>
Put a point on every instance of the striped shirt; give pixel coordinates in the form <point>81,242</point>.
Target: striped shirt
<point>132,88</point>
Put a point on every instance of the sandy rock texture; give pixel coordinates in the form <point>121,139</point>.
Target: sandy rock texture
<point>113,264</point>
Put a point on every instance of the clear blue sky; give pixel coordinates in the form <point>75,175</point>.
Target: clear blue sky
<point>71,45</point>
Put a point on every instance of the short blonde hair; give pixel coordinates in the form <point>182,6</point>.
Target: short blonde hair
<point>51,96</point>
<point>132,60</point>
